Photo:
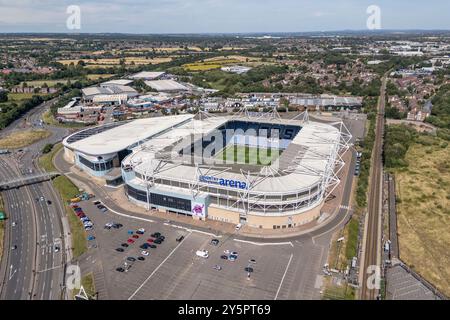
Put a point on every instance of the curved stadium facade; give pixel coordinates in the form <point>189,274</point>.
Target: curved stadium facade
<point>260,170</point>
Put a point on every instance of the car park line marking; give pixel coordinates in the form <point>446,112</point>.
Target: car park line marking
<point>266,243</point>
<point>157,268</point>
<point>284,275</point>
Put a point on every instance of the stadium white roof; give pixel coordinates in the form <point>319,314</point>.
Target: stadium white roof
<point>123,136</point>
<point>166,85</point>
<point>309,156</point>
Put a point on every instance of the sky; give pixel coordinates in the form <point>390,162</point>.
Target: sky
<point>220,16</point>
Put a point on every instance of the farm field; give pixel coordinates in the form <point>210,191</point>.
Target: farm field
<point>424,212</point>
<point>210,64</point>
<point>22,96</point>
<point>106,62</point>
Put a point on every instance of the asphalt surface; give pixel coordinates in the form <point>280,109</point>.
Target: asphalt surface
<point>33,270</point>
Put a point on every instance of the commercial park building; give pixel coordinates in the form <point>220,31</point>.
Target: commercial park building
<point>174,164</point>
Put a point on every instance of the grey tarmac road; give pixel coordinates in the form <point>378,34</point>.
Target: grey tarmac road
<point>38,225</point>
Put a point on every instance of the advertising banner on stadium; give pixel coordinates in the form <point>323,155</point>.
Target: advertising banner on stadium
<point>198,210</point>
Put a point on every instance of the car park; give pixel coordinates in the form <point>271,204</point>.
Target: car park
<point>120,250</point>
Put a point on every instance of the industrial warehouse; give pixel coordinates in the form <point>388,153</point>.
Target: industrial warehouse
<point>254,169</point>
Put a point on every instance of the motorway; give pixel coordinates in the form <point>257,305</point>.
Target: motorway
<point>373,223</point>
<point>33,270</point>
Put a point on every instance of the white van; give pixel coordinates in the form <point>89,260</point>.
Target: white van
<point>202,253</point>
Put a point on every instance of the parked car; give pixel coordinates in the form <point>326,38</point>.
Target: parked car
<point>150,240</point>
<point>238,227</point>
<point>144,253</point>
<point>152,246</point>
<point>214,242</point>
<point>96,202</point>
<point>130,241</point>
<point>135,236</point>
<point>202,253</point>
<point>141,258</point>
<point>120,250</point>
<point>248,269</point>
<point>140,231</point>
<point>120,269</point>
<point>117,225</point>
<point>217,267</point>
<point>180,238</point>
<point>144,246</point>
<point>232,257</point>
<point>131,259</point>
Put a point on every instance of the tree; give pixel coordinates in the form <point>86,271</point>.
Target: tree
<point>3,96</point>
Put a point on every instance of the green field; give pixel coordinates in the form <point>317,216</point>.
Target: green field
<point>248,155</point>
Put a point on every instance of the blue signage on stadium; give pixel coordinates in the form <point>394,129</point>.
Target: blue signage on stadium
<point>224,182</point>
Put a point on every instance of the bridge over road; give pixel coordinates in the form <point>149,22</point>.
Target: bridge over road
<point>27,180</point>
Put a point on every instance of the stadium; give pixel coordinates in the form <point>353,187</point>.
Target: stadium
<point>257,169</point>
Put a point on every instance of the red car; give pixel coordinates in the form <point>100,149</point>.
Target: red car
<point>135,236</point>
<point>150,240</point>
<point>130,241</point>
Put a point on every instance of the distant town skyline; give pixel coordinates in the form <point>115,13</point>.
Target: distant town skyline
<point>220,16</point>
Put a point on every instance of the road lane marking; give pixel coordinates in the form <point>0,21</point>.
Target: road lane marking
<point>266,243</point>
<point>284,275</point>
<point>157,268</point>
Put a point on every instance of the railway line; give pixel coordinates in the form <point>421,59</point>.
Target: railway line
<point>371,260</point>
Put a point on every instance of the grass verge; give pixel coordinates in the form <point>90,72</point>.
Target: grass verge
<point>46,160</point>
<point>67,191</point>
<point>22,139</point>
